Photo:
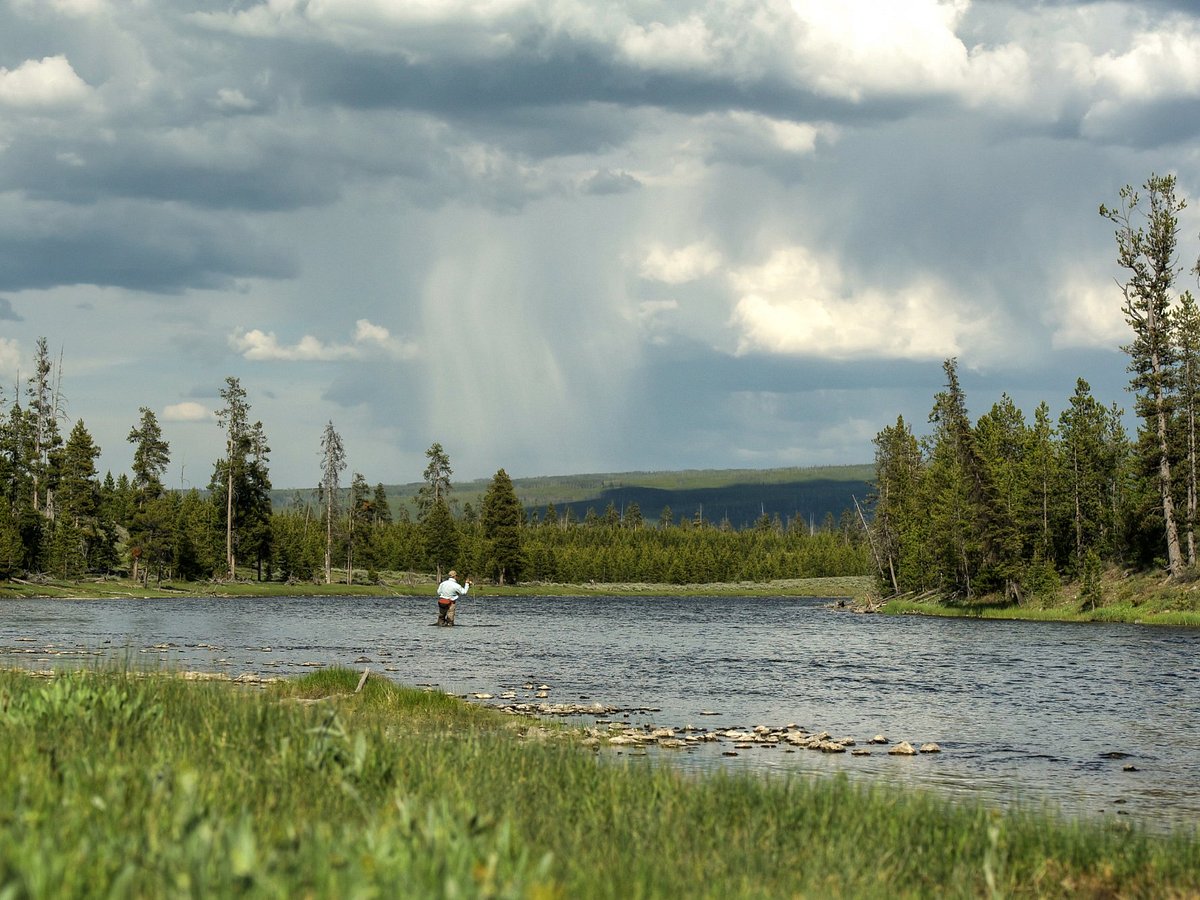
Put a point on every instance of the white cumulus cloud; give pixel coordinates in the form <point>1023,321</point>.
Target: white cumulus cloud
<point>795,303</point>
<point>49,82</point>
<point>681,265</point>
<point>369,341</point>
<point>188,411</point>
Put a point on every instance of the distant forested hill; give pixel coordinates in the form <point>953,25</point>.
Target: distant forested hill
<point>739,495</point>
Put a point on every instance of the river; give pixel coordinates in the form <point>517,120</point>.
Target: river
<point>1095,720</point>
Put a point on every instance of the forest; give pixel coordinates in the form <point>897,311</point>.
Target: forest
<point>1008,507</point>
<point>61,519</point>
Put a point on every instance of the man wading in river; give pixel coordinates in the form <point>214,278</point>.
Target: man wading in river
<point>448,592</point>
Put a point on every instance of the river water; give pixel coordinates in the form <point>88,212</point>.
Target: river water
<point>1032,714</point>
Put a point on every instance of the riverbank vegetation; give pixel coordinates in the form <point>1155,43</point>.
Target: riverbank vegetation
<point>1002,512</point>
<point>411,584</point>
<point>122,784</point>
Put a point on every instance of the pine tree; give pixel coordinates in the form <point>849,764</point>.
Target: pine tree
<point>233,418</point>
<point>441,536</point>
<point>333,462</point>
<point>436,477</point>
<point>1187,323</point>
<point>1147,252</point>
<point>897,519</point>
<point>381,508</point>
<point>502,521</point>
<point>148,517</point>
<point>957,512</point>
<point>1087,464</point>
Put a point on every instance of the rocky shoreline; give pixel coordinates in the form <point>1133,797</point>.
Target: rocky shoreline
<point>612,733</point>
<point>603,731</point>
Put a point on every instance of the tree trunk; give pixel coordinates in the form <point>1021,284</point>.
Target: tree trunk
<point>229,521</point>
<point>1174,559</point>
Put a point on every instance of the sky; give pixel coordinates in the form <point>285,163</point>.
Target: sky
<point>562,236</point>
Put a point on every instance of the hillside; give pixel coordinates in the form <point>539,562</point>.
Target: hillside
<point>739,495</point>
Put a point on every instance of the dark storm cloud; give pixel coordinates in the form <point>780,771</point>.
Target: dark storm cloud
<point>131,246</point>
<point>496,90</point>
<point>83,171</point>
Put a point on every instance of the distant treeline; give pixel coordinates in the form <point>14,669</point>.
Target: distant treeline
<point>598,548</point>
<point>733,497</point>
<point>59,518</point>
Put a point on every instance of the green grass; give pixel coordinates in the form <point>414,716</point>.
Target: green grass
<point>404,584</point>
<point>117,784</point>
<point>1136,598</point>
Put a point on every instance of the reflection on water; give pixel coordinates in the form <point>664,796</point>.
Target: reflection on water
<point>1034,713</point>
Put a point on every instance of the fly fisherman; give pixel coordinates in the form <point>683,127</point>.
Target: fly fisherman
<point>448,592</point>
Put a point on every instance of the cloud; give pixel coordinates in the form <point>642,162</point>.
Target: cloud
<point>153,247</point>
<point>7,313</point>
<point>46,84</point>
<point>10,357</point>
<point>1087,312</point>
<point>796,303</point>
<point>188,411</point>
<point>233,100</point>
<point>685,264</point>
<point>369,341</point>
<point>606,181</point>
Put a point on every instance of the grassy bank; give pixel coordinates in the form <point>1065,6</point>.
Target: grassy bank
<point>134,786</point>
<point>1134,598</point>
<point>395,584</point>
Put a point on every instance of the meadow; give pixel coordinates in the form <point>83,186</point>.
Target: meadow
<point>120,783</point>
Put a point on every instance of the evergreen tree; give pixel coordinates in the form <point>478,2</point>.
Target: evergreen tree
<point>149,518</point>
<point>957,532</point>
<point>359,521</point>
<point>1002,440</point>
<point>381,508</point>
<point>43,412</point>
<point>1187,323</point>
<point>333,462</point>
<point>440,536</point>
<point>79,491</point>
<point>1147,252</point>
<point>1089,469</point>
<point>436,486</point>
<point>897,501</point>
<point>502,521</point>
<point>1043,471</point>
<point>233,418</point>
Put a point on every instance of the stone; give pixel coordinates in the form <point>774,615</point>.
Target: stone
<point>930,748</point>
<point>904,748</point>
<point>879,739</point>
